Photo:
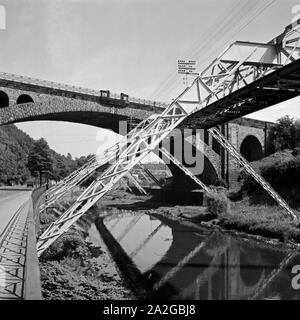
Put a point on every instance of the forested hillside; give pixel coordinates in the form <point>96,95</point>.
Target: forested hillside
<point>15,147</point>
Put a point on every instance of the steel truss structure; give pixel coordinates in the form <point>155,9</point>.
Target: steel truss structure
<point>80,175</point>
<point>240,65</point>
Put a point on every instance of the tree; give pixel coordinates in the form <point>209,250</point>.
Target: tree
<point>60,169</point>
<point>286,133</point>
<point>39,159</point>
<point>83,160</point>
<point>15,147</point>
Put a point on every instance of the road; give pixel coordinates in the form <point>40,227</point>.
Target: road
<point>10,202</point>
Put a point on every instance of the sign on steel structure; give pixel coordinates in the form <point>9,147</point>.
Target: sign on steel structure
<point>187,67</point>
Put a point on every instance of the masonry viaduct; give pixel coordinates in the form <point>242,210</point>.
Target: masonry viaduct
<point>27,99</point>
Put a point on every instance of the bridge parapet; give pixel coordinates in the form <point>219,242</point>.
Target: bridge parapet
<point>32,281</point>
<point>19,266</point>
<point>45,86</point>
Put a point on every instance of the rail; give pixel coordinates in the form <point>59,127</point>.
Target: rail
<point>32,281</point>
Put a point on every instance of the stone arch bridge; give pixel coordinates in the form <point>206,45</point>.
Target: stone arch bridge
<point>27,99</point>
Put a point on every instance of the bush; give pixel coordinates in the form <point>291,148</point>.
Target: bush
<point>285,173</point>
<point>217,202</point>
<point>46,219</point>
<point>71,244</point>
<point>296,152</point>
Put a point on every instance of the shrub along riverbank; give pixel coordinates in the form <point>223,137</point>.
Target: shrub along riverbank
<point>269,221</point>
<point>282,171</point>
<point>252,210</point>
<point>74,269</point>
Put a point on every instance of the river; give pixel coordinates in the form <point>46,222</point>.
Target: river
<point>176,260</point>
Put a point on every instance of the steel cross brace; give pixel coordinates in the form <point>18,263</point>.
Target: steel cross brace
<point>242,161</point>
<point>96,158</point>
<point>136,184</point>
<point>185,170</point>
<point>80,175</point>
<point>148,174</point>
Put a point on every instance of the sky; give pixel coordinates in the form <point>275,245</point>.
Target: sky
<point>128,46</point>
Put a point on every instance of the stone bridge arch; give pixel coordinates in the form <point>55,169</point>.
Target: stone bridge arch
<point>245,132</point>
<point>44,100</point>
<point>4,99</point>
<point>251,148</point>
<point>251,138</point>
<point>24,98</point>
<point>68,110</point>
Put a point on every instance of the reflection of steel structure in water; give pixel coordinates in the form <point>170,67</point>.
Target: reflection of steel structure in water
<point>170,274</point>
<point>245,78</point>
<point>228,260</point>
<point>143,243</point>
<point>199,280</point>
<point>114,225</point>
<point>207,273</point>
<point>131,224</point>
<point>205,276</point>
<point>272,276</point>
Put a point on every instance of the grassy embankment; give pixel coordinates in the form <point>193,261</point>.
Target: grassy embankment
<point>252,210</point>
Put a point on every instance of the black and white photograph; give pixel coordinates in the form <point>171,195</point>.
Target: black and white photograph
<point>149,154</point>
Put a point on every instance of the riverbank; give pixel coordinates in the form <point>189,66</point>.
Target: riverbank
<point>73,268</point>
<point>262,220</point>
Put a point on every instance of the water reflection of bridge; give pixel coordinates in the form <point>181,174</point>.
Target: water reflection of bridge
<point>197,263</point>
